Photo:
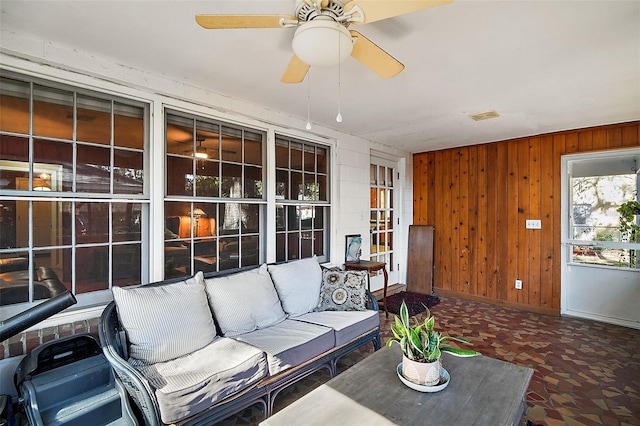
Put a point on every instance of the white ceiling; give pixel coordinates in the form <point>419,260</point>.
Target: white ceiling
<point>542,65</point>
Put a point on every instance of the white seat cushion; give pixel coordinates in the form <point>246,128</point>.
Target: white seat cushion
<point>187,385</point>
<point>290,343</point>
<point>346,325</point>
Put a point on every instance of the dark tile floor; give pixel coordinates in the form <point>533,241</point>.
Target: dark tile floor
<point>586,372</point>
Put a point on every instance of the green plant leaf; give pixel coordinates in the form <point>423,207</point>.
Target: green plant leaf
<point>404,314</point>
<point>459,352</point>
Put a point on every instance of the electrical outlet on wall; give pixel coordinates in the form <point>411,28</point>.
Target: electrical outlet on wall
<point>518,284</point>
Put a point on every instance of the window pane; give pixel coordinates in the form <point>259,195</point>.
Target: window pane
<point>14,149</point>
<point>93,166</point>
<point>281,247</point>
<point>297,190</point>
<point>14,106</point>
<point>322,188</point>
<point>373,173</point>
<point>230,216</point>
<point>58,158</point>
<point>251,218</point>
<point>52,113</point>
<point>231,144</point>
<point>127,222</point>
<point>293,218</point>
<point>179,135</point>
<point>282,184</point>
<point>94,218</point>
<point>207,179</point>
<point>250,251</point>
<point>92,269</point>
<point>296,156</point>
<point>22,223</point>
<point>319,218</point>
<point>293,243</point>
<point>127,266</point>
<point>179,176</point>
<point>252,148</point>
<point>306,245</point>
<point>306,217</point>
<point>128,126</point>
<point>45,225</point>
<point>231,180</point>
<point>322,160</point>
<point>595,202</point>
<point>281,224</point>
<point>310,188</point>
<point>318,241</point>
<point>252,182</point>
<point>93,117</point>
<point>309,159</point>
<point>282,153</point>
<point>229,253</point>
<point>128,172</point>
<point>208,140</point>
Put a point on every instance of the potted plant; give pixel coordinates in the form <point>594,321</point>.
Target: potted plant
<point>422,347</point>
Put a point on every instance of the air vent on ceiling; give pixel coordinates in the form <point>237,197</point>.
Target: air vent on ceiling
<point>485,115</point>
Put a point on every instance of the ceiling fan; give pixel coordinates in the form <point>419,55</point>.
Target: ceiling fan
<point>322,38</point>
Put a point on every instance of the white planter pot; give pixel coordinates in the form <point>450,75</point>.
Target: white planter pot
<point>422,373</point>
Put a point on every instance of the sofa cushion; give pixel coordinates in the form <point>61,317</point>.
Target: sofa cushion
<point>343,291</point>
<point>167,321</point>
<point>192,383</point>
<point>346,325</point>
<point>298,285</point>
<point>244,301</point>
<point>290,343</point>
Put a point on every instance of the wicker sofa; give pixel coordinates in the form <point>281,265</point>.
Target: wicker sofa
<point>196,351</point>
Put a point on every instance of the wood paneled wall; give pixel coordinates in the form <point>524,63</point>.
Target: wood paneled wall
<point>478,198</point>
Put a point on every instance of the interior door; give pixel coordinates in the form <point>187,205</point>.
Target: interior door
<point>600,268</point>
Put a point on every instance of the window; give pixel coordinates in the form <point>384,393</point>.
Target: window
<point>302,199</point>
<point>214,195</point>
<point>599,186</point>
<point>381,224</point>
<point>72,177</point>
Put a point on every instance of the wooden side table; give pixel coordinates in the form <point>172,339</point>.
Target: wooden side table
<point>366,265</point>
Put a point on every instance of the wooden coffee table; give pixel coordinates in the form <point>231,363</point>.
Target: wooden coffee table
<point>482,391</point>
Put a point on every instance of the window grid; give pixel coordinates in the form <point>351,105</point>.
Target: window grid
<point>215,204</point>
<point>51,182</point>
<point>302,208</point>
<point>382,215</point>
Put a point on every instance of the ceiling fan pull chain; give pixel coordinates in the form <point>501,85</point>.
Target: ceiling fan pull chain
<point>308,126</point>
<point>339,116</point>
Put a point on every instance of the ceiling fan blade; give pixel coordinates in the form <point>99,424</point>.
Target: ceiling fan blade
<point>377,10</point>
<point>374,58</point>
<point>242,21</point>
<point>296,71</point>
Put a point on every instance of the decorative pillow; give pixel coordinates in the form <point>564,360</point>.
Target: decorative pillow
<point>167,321</point>
<point>298,285</point>
<point>343,291</point>
<point>244,301</point>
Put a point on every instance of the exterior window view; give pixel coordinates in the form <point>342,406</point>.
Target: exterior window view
<point>227,212</point>
<point>596,230</point>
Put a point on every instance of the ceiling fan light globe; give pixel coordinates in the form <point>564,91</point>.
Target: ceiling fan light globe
<point>322,43</point>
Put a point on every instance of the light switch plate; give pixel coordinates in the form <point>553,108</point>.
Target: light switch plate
<point>534,224</point>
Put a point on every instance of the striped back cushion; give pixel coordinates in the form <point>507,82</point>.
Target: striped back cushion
<point>244,301</point>
<point>167,321</point>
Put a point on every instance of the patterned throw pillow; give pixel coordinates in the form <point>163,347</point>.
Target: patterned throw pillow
<point>342,291</point>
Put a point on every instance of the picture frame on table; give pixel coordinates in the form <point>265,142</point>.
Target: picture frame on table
<point>353,248</point>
